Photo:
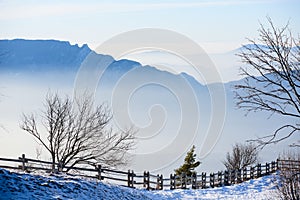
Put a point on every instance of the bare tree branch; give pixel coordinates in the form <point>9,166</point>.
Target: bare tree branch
<point>272,82</point>
<point>242,155</point>
<point>77,132</point>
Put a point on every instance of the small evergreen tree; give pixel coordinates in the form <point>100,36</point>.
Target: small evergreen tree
<point>189,165</point>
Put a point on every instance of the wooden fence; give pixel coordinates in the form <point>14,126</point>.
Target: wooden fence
<point>156,182</point>
<point>290,165</point>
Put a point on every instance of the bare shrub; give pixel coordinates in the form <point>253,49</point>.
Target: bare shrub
<point>242,155</point>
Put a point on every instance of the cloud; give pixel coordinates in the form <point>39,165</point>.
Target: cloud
<point>25,10</point>
<point>32,11</point>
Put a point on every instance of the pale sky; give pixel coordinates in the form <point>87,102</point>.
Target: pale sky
<point>216,25</point>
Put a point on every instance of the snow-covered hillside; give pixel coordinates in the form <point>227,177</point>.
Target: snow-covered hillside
<point>46,186</point>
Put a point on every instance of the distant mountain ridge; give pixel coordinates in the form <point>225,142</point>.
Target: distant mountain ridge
<point>22,55</point>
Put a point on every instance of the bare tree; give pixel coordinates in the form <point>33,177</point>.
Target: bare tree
<point>273,79</point>
<point>242,155</point>
<point>76,132</point>
<point>288,177</point>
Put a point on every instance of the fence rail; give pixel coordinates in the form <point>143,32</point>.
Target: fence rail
<point>157,182</point>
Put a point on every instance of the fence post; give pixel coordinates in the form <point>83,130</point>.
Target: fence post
<point>159,185</point>
<point>130,178</point>
<point>251,172</point>
<point>99,170</point>
<point>147,180</point>
<point>172,182</point>
<point>239,176</point>
<point>212,180</point>
<point>267,168</point>
<point>232,177</point>
<point>220,178</point>
<point>194,181</point>
<point>203,180</point>
<point>226,178</point>
<point>244,174</point>
<point>158,182</point>
<point>183,180</point>
<point>161,182</point>
<point>274,166</point>
<point>23,159</point>
<point>258,168</point>
<point>60,166</point>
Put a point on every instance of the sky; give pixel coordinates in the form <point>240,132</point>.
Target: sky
<point>217,25</point>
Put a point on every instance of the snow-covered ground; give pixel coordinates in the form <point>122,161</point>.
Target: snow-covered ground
<point>46,186</point>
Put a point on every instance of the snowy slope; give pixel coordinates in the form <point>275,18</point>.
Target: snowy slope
<point>44,186</point>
